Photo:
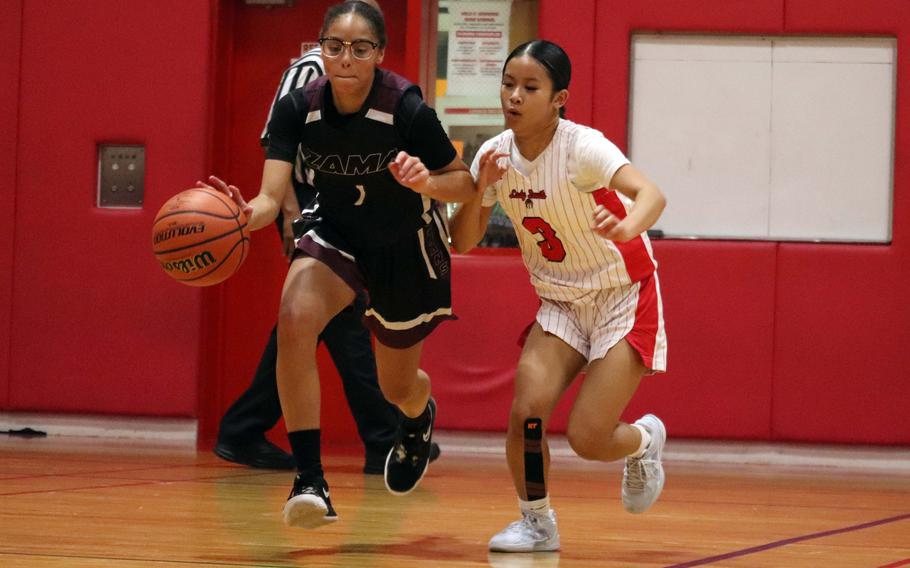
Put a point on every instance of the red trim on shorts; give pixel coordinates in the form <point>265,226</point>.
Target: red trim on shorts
<point>643,336</point>
<point>635,255</point>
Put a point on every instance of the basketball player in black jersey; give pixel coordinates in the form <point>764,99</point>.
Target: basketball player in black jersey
<point>380,160</point>
<point>241,433</point>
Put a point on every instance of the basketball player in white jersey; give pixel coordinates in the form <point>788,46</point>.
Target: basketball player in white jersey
<point>581,212</point>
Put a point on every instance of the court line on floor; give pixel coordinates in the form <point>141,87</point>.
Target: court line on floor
<point>147,561</point>
<point>68,489</point>
<point>238,475</point>
<point>898,564</point>
<point>86,473</point>
<point>786,541</point>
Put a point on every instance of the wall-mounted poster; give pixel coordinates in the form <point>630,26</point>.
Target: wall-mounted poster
<point>478,44</point>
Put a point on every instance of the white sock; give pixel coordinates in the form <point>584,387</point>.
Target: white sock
<point>539,507</point>
<point>645,442</point>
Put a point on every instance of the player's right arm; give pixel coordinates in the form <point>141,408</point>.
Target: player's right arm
<point>262,209</point>
<point>276,185</point>
<point>285,131</point>
<point>276,191</point>
<point>469,222</point>
<point>308,68</point>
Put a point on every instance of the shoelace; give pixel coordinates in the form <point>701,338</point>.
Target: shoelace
<point>310,489</point>
<point>527,522</point>
<point>407,448</point>
<point>638,470</point>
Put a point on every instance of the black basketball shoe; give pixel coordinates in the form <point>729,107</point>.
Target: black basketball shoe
<point>410,455</point>
<point>374,464</point>
<point>308,504</point>
<point>257,453</point>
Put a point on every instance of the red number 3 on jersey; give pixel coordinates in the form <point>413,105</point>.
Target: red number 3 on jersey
<point>551,247</point>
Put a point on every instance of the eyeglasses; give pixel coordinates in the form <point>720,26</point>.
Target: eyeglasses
<point>360,49</point>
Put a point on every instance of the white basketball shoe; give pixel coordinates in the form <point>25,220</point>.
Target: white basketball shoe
<point>643,478</point>
<point>531,533</point>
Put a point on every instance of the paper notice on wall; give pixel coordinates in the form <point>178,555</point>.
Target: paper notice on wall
<point>478,44</point>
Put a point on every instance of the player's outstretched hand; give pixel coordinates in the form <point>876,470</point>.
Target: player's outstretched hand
<point>231,191</point>
<point>490,168</point>
<point>609,226</point>
<point>411,172</point>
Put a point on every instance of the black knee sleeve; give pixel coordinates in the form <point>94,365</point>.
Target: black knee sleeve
<point>534,481</point>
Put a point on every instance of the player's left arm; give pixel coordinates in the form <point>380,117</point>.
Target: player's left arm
<point>452,183</point>
<point>290,211</point>
<point>437,172</point>
<point>649,204</point>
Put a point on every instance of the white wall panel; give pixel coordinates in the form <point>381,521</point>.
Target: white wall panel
<point>766,138</point>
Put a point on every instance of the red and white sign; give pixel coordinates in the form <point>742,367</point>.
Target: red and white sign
<point>478,44</point>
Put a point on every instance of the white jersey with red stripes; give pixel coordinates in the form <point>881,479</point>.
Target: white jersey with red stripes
<point>551,201</point>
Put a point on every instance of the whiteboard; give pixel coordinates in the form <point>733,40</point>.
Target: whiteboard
<point>766,137</point>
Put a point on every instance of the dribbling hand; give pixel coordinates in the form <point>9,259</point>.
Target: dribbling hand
<point>230,190</point>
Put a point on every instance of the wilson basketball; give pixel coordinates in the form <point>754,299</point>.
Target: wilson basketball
<point>200,237</point>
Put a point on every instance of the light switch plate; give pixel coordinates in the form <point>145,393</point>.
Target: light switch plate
<point>121,175</point>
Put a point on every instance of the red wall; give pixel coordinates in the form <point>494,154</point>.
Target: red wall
<point>10,41</point>
<point>95,324</point>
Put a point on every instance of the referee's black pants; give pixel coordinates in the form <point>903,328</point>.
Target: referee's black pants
<point>348,341</point>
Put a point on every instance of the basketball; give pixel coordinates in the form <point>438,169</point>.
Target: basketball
<point>200,237</point>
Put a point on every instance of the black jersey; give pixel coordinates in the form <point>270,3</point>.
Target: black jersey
<point>349,155</point>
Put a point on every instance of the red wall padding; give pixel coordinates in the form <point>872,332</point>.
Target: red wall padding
<point>96,325</point>
<point>842,332</point>
<point>719,311</point>
<point>10,41</point>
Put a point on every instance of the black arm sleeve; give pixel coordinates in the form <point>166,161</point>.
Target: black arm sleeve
<point>424,135</point>
<point>285,129</point>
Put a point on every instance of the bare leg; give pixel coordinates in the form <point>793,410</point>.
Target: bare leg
<point>407,387</point>
<point>594,431</point>
<point>312,296</point>
<point>402,382</point>
<point>546,368</point>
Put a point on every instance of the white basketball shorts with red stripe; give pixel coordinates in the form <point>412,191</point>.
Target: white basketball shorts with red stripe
<point>593,325</point>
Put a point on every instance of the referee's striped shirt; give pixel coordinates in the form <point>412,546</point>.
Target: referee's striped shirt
<point>303,70</point>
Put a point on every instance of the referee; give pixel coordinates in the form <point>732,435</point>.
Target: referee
<point>241,436</point>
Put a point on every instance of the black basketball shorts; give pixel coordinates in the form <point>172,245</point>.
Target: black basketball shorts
<point>407,284</point>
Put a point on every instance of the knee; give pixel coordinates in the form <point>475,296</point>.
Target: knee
<point>294,323</point>
<point>585,443</point>
<point>396,388</point>
<point>523,408</point>
<point>592,441</point>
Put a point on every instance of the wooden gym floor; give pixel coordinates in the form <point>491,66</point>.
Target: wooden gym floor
<point>82,502</point>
